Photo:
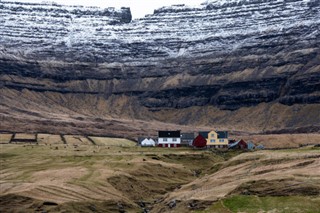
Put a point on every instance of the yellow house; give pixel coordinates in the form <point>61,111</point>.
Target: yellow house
<point>218,139</point>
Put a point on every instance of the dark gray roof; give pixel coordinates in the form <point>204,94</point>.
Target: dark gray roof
<point>187,136</point>
<point>233,144</point>
<point>222,134</point>
<point>169,134</point>
<point>204,134</point>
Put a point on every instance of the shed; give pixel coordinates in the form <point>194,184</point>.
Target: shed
<point>240,144</point>
<point>251,146</point>
<point>199,141</point>
<point>148,142</point>
<point>260,146</point>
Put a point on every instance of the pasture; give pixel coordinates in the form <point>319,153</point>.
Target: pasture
<point>71,173</point>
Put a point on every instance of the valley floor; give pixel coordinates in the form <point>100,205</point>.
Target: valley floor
<point>114,175</point>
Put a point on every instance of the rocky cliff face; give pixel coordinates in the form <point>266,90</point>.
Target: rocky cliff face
<point>212,65</point>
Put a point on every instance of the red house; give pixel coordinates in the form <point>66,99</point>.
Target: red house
<point>199,142</point>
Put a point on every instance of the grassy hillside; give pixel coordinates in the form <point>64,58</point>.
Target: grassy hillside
<point>115,175</point>
<point>52,112</point>
<point>265,174</point>
<point>253,204</point>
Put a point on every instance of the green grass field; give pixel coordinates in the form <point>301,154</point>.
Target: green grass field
<point>254,204</point>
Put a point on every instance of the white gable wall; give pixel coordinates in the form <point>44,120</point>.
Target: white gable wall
<point>148,142</point>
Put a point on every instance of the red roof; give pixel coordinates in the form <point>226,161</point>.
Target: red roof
<point>199,141</point>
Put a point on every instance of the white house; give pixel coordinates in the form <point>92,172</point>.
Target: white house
<point>169,139</point>
<point>148,142</point>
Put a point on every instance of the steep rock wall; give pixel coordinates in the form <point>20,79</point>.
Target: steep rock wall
<point>227,55</point>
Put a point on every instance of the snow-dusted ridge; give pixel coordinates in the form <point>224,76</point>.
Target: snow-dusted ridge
<point>226,53</point>
<point>36,28</point>
<point>53,5</point>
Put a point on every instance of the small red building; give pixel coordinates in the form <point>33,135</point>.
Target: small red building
<point>199,142</point>
<point>240,144</point>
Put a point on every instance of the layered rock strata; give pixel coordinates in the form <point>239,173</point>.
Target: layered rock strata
<point>221,57</point>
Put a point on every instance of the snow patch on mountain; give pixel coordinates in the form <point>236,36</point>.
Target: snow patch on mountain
<point>52,30</point>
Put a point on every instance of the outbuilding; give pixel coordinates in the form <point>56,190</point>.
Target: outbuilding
<point>251,145</point>
<point>199,141</point>
<point>148,142</point>
<point>240,144</point>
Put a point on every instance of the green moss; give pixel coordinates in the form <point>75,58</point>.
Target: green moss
<point>216,207</point>
<point>253,204</point>
<point>7,155</point>
<point>285,204</point>
<point>226,154</point>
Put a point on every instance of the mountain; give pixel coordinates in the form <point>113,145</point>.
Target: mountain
<point>249,65</point>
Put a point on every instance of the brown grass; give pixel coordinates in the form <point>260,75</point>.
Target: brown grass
<point>5,138</point>
<point>49,139</point>
<point>54,113</point>
<point>24,136</point>
<point>283,140</point>
<point>104,141</point>
<point>77,140</point>
<point>283,177</point>
<point>117,171</point>
<point>94,174</point>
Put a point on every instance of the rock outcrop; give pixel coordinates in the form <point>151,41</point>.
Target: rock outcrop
<point>205,65</point>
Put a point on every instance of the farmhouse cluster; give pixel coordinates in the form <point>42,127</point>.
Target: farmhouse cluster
<point>209,139</point>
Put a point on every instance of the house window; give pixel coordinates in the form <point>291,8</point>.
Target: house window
<point>174,139</point>
<point>212,140</point>
<point>221,140</point>
<point>165,139</point>
<point>212,135</point>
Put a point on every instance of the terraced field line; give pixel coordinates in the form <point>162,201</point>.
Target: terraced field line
<point>65,192</point>
<point>70,192</point>
<point>12,137</point>
<point>7,176</point>
<point>92,141</point>
<point>99,190</point>
<point>103,187</point>
<point>55,194</point>
<point>7,189</point>
<point>63,139</point>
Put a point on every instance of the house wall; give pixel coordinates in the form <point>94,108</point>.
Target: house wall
<point>186,142</point>
<point>169,145</point>
<point>169,141</point>
<point>214,141</point>
<point>250,145</point>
